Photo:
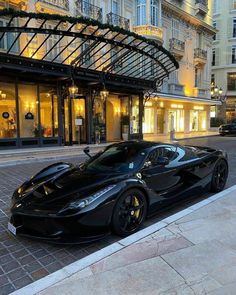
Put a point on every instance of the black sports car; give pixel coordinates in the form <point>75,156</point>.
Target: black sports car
<point>227,129</point>
<point>115,190</point>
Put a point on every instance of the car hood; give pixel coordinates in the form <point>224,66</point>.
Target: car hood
<point>62,185</point>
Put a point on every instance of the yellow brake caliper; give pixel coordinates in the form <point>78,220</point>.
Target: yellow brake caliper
<point>136,204</point>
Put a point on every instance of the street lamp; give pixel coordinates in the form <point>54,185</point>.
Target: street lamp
<point>217,93</point>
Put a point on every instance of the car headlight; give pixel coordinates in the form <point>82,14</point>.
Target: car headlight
<point>82,203</point>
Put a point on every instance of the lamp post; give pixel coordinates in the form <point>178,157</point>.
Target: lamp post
<point>217,93</point>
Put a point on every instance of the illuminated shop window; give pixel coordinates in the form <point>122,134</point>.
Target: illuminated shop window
<point>48,112</point>
<point>8,125</point>
<point>28,111</point>
<point>134,116</point>
<point>148,124</point>
<point>176,119</point>
<point>197,120</point>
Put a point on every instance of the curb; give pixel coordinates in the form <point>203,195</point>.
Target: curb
<point>79,265</point>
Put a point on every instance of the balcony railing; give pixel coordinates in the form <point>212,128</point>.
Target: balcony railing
<point>88,10</point>
<point>64,4</point>
<point>200,53</point>
<point>201,6</point>
<point>174,88</point>
<point>177,47</point>
<point>150,32</point>
<point>203,2</point>
<point>117,20</point>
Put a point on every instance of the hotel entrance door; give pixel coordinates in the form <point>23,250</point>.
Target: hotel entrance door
<point>75,121</point>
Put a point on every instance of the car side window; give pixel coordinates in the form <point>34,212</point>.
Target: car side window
<point>163,151</point>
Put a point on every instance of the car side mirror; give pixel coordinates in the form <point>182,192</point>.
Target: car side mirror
<point>161,161</point>
<point>87,151</point>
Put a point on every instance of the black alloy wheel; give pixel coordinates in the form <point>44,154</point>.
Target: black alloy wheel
<point>219,177</point>
<point>129,212</point>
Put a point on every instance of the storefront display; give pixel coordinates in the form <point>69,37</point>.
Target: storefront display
<point>197,120</point>
<point>176,120</point>
<point>8,124</point>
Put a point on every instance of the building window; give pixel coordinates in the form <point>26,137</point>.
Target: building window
<point>176,120</point>
<point>197,120</point>
<point>234,54</point>
<point>216,6</point>
<point>234,27</point>
<point>213,79</point>
<point>28,111</point>
<point>8,125</point>
<point>154,12</point>
<point>234,4</point>
<point>214,26</point>
<point>141,12</point>
<point>115,7</point>
<point>213,57</point>
<point>231,81</point>
<point>8,39</point>
<point>148,123</point>
<point>52,44</point>
<point>86,58</point>
<point>175,28</point>
<point>48,112</point>
<point>134,116</point>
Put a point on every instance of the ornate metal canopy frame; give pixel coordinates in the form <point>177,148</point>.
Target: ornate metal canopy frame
<point>110,51</point>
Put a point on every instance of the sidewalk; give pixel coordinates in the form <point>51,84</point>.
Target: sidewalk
<point>10,157</point>
<point>194,252</point>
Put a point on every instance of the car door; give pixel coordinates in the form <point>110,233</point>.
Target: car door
<point>162,179</point>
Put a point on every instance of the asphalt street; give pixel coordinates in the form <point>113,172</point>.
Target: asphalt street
<point>23,261</point>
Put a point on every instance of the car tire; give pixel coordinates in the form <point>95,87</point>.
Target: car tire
<point>219,176</point>
<point>222,134</point>
<point>129,212</point>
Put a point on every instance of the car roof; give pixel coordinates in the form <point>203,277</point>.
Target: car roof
<point>142,144</point>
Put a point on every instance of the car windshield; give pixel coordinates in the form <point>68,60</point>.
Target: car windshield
<point>120,158</point>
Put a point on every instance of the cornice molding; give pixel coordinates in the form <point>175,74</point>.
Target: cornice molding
<point>169,10</point>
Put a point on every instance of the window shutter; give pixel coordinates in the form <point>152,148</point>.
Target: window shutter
<point>219,28</point>
<point>228,55</point>
<point>230,27</point>
<point>217,58</point>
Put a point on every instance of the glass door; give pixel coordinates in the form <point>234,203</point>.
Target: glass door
<point>75,121</point>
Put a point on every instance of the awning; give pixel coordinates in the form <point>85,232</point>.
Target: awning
<point>190,99</point>
<point>69,44</point>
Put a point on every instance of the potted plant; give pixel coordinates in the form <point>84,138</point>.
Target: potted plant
<point>125,126</point>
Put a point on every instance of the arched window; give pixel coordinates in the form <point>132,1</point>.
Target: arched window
<point>154,12</point>
<point>141,12</point>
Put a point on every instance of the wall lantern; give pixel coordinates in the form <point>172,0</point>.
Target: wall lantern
<point>104,94</point>
<point>73,89</point>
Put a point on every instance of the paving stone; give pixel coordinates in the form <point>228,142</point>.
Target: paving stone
<point>10,266</point>
<point>40,273</point>
<point>22,282</point>
<point>32,266</point>
<point>3,280</point>
<point>7,289</point>
<point>40,253</point>
<point>20,253</point>
<point>16,274</point>
<point>54,266</point>
<point>26,259</point>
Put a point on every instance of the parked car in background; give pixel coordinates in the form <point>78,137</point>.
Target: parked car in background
<point>227,129</point>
